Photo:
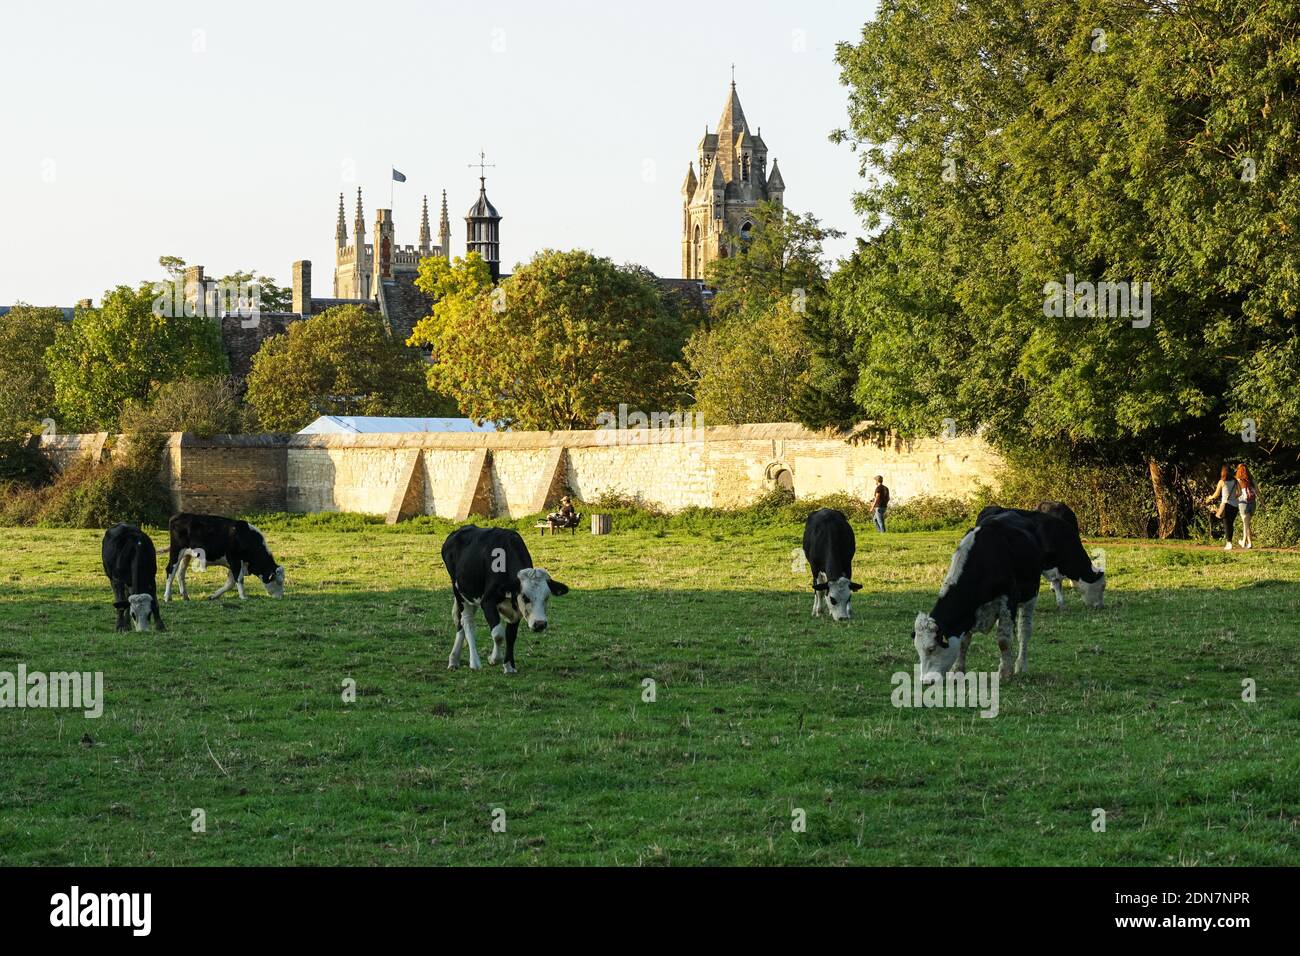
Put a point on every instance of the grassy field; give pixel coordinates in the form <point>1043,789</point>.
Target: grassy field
<point>237,709</point>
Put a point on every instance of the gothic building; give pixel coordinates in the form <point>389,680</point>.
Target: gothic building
<point>356,265</point>
<point>483,230</point>
<point>717,207</point>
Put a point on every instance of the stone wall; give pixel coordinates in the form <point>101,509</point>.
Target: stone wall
<point>521,473</point>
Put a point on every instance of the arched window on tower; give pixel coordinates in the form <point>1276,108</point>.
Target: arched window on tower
<point>744,168</point>
<point>699,264</point>
<point>746,231</point>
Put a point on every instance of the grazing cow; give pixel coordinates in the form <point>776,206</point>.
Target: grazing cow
<point>1064,556</point>
<point>829,545</point>
<point>235,545</point>
<point>993,578</point>
<point>491,569</point>
<point>132,567</point>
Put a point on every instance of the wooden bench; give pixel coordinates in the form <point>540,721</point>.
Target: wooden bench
<point>546,525</point>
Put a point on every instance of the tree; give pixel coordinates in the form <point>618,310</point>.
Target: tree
<point>1015,147</point>
<point>753,361</point>
<point>26,391</point>
<point>271,297</point>
<point>343,361</point>
<point>204,406</point>
<point>123,350</point>
<point>782,257</point>
<point>569,335</point>
<point>749,370</point>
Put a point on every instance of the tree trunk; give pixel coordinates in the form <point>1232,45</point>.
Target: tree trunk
<point>1169,518</point>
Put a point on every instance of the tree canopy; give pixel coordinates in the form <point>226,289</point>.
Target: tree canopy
<point>121,351</point>
<point>569,335</point>
<point>1009,148</point>
<point>343,361</point>
<point>26,390</point>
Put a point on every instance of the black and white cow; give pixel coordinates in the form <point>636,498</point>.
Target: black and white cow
<point>131,564</point>
<point>491,568</point>
<point>1064,556</point>
<point>993,579</point>
<point>829,546</point>
<point>234,545</point>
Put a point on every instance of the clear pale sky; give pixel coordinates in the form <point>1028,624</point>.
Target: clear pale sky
<point>224,132</point>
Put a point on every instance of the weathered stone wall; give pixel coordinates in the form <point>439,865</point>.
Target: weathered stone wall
<point>520,473</point>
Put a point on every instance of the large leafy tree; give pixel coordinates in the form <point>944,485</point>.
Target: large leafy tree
<point>343,361</point>
<point>1013,144</point>
<point>752,361</point>
<point>123,350</point>
<point>568,336</point>
<point>26,391</point>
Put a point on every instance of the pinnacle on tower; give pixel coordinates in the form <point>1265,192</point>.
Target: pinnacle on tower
<point>359,222</point>
<point>340,230</point>
<point>444,229</point>
<point>425,238</point>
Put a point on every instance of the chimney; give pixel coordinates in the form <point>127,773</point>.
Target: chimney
<point>302,287</point>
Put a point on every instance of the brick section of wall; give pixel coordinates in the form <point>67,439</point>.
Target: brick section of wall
<point>505,473</point>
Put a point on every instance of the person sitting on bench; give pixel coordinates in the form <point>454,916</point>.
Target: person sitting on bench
<point>566,517</point>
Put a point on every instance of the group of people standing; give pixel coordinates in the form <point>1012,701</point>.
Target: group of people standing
<point>1234,495</point>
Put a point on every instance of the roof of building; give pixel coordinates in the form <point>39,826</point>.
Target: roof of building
<point>378,425</point>
<point>482,209</point>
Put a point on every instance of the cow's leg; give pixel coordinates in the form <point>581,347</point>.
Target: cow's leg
<point>965,639</point>
<point>457,610</point>
<point>1024,628</point>
<point>157,616</point>
<point>1006,621</point>
<point>498,629</point>
<point>239,581</point>
<point>171,573</point>
<point>1055,579</point>
<point>180,571</point>
<point>512,631</point>
<point>230,583</point>
<point>817,598</point>
<point>119,599</point>
<point>467,631</point>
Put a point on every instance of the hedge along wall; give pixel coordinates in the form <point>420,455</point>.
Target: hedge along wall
<point>513,474</point>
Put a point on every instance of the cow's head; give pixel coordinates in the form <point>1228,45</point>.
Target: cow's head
<point>1093,592</point>
<point>936,652</point>
<point>535,587</point>
<point>274,582</point>
<point>141,608</point>
<point>839,593</point>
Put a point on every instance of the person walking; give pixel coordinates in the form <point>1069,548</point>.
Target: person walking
<point>879,504</point>
<point>1226,494</point>
<point>1248,495</point>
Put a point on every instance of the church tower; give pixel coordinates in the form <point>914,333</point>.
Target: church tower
<point>444,230</point>
<point>718,204</point>
<point>483,230</point>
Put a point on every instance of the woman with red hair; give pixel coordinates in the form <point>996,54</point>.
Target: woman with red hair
<point>1225,494</point>
<point>1247,495</point>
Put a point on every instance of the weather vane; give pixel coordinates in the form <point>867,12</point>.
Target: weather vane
<point>482,165</point>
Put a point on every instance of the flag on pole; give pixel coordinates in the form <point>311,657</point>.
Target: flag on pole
<point>398,177</point>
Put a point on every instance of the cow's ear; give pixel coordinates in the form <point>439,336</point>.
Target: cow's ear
<point>558,589</point>
<point>821,586</point>
<point>855,586</point>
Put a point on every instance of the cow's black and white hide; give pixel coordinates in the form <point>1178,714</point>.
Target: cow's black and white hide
<point>234,545</point>
<point>993,580</point>
<point>829,546</point>
<point>490,568</point>
<point>131,564</point>
<point>1064,556</point>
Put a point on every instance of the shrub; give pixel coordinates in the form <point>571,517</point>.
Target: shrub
<point>1110,500</point>
<point>204,406</point>
<point>1276,524</point>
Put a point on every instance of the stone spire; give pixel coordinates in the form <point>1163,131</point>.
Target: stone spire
<point>444,229</point>
<point>359,224</point>
<point>341,230</point>
<point>425,237</point>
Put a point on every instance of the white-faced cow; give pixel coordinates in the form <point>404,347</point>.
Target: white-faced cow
<point>234,545</point>
<point>1057,530</point>
<point>491,568</point>
<point>131,564</point>
<point>829,546</point>
<point>993,579</point>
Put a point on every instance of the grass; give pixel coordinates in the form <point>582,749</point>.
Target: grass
<point>237,709</point>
